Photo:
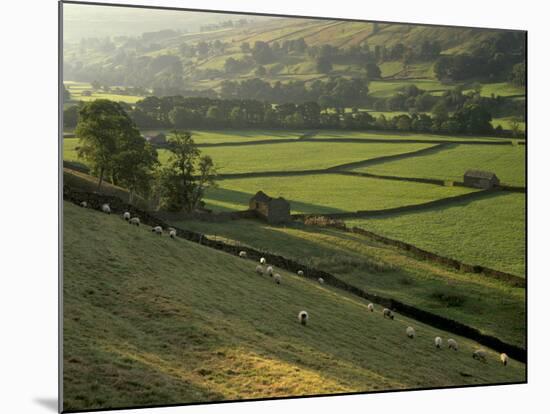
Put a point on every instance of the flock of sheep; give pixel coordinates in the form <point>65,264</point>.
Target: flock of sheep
<point>303,316</point>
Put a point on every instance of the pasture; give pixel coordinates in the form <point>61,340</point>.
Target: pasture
<point>488,232</point>
<point>198,325</point>
<point>507,161</point>
<point>486,304</point>
<point>327,193</point>
<point>76,90</point>
<point>400,135</point>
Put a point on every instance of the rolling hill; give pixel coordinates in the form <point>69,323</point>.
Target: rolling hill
<point>150,320</point>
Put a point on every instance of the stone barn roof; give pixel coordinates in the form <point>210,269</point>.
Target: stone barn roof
<point>480,174</point>
<point>261,197</point>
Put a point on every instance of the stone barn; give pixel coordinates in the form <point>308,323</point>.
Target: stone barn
<point>159,139</point>
<point>273,210</point>
<point>481,179</point>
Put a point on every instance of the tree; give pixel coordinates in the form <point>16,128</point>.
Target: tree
<point>260,71</point>
<point>518,76</point>
<point>373,71</point>
<point>245,47</point>
<point>66,94</point>
<point>102,126</point>
<point>182,182</point>
<point>70,116</point>
<point>324,65</point>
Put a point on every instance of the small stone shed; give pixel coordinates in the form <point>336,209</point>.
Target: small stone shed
<point>273,210</point>
<point>481,179</point>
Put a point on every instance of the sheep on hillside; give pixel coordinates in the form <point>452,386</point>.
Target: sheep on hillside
<point>452,344</point>
<point>386,313</point>
<point>303,317</point>
<point>260,269</point>
<point>106,208</point>
<point>172,234</point>
<point>134,220</point>
<point>157,229</point>
<point>504,359</point>
<point>269,270</point>
<point>300,272</point>
<point>438,341</point>
<point>126,216</point>
<point>242,254</point>
<point>262,260</point>
<point>277,278</point>
<point>480,355</point>
<point>83,204</point>
<point>410,332</point>
<point>321,280</point>
<point>370,307</point>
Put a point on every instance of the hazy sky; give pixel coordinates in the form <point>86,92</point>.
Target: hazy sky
<point>99,21</point>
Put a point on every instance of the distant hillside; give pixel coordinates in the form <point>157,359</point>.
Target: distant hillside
<point>150,320</point>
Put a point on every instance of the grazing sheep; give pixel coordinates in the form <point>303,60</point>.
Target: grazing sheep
<point>452,344</point>
<point>410,332</point>
<point>126,216</point>
<point>269,270</point>
<point>300,272</point>
<point>105,208</point>
<point>303,317</point>
<point>172,234</point>
<point>277,278</point>
<point>321,280</point>
<point>242,254</point>
<point>480,355</point>
<point>157,229</point>
<point>262,260</point>
<point>134,220</point>
<point>83,204</point>
<point>370,307</point>
<point>260,269</point>
<point>386,313</point>
<point>504,359</point>
<point>438,341</point>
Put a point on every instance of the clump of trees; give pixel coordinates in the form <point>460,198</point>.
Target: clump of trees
<point>113,147</point>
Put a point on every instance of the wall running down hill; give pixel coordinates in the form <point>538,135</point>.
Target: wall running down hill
<point>95,201</point>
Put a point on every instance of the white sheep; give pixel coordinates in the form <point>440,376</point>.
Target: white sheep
<point>262,260</point>
<point>386,313</point>
<point>321,280</point>
<point>277,278</point>
<point>106,208</point>
<point>303,317</point>
<point>134,220</point>
<point>370,307</point>
<point>300,272</point>
<point>260,269</point>
<point>438,342</point>
<point>242,254</point>
<point>157,229</point>
<point>452,344</point>
<point>480,355</point>
<point>410,332</point>
<point>172,234</point>
<point>504,359</point>
<point>269,270</point>
<point>126,216</point>
<point>83,204</point>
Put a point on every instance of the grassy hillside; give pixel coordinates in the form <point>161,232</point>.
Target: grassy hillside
<point>491,306</point>
<point>150,320</point>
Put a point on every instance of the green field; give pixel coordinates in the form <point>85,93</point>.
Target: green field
<point>386,89</point>
<point>327,193</point>
<point>501,89</point>
<point>507,161</point>
<point>488,232</point>
<point>298,155</point>
<point>76,89</point>
<point>199,325</point>
<point>492,307</point>
<point>506,123</point>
